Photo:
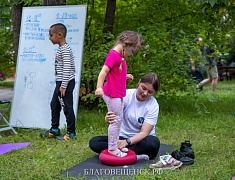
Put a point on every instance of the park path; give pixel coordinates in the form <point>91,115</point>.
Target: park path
<point>6,93</point>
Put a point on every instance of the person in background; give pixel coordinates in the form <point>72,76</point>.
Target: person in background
<point>138,129</point>
<point>211,68</point>
<point>65,83</point>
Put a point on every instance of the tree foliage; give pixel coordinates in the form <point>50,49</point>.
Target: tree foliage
<point>168,28</point>
<point>6,44</point>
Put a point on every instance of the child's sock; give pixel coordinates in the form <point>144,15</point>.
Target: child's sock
<point>118,153</point>
<point>142,157</point>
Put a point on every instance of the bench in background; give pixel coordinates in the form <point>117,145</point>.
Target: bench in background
<point>228,70</point>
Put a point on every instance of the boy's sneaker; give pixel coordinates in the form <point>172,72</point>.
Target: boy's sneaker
<point>68,136</point>
<point>50,134</point>
<point>181,157</point>
<point>186,149</point>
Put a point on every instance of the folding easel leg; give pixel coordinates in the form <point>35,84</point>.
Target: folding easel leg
<point>4,110</point>
<point>9,126</point>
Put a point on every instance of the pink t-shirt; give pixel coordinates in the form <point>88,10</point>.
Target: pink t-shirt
<point>115,85</point>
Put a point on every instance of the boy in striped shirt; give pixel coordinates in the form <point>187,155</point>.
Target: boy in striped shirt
<point>65,83</point>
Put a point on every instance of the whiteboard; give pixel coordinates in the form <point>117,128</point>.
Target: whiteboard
<point>35,72</point>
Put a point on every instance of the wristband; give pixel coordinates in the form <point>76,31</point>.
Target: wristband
<point>128,141</point>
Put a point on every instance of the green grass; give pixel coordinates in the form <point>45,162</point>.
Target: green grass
<point>206,119</point>
<point>9,84</point>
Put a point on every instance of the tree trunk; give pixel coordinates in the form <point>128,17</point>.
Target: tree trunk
<point>16,20</point>
<point>54,2</point>
<point>109,16</point>
<point>16,23</point>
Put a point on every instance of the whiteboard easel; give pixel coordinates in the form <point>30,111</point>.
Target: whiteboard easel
<point>35,72</point>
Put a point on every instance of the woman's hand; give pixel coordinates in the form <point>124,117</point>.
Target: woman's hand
<point>122,144</point>
<point>110,117</point>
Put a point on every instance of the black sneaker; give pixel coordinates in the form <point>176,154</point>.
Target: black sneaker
<point>50,134</point>
<point>186,149</point>
<point>68,136</point>
<point>181,157</point>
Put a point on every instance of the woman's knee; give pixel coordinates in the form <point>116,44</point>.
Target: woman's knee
<point>98,143</point>
<point>154,146</point>
<point>150,145</point>
<point>155,143</point>
<point>92,142</point>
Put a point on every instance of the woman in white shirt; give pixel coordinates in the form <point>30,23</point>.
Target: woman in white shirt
<point>140,118</point>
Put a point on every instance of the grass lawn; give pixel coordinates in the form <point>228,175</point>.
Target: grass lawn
<point>206,119</point>
<point>6,84</point>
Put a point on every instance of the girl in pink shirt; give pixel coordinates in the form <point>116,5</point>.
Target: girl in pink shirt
<point>114,89</point>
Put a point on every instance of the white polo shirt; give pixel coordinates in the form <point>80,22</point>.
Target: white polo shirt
<point>136,112</point>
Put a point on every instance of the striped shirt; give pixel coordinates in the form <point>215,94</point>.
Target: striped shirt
<point>64,65</point>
